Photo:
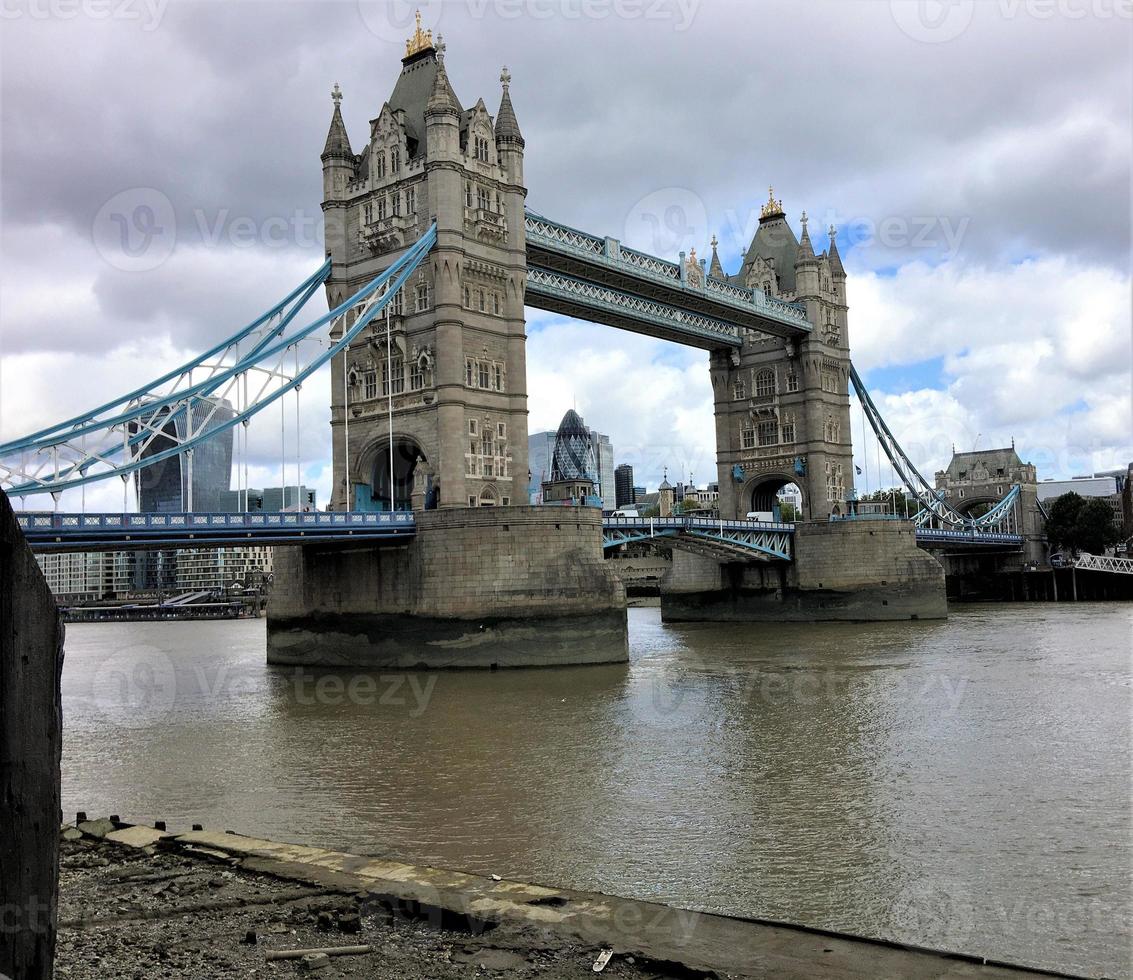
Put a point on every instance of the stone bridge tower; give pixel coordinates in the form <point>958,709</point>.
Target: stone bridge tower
<point>457,372</point>
<point>783,408</point>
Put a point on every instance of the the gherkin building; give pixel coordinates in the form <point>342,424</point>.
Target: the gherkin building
<point>573,456</point>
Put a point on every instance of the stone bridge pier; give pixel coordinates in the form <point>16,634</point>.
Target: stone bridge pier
<point>843,570</point>
<point>482,587</point>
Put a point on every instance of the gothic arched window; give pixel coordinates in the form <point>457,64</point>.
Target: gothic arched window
<point>395,161</point>
<point>380,164</point>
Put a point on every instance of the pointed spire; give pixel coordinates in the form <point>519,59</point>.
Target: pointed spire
<point>507,126</point>
<point>715,269</point>
<point>806,250</point>
<point>338,143</point>
<point>835,259</point>
<point>442,99</point>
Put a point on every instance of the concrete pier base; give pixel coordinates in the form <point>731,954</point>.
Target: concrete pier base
<point>477,587</point>
<point>857,571</point>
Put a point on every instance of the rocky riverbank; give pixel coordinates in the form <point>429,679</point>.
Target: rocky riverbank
<point>138,902</point>
<point>138,913</point>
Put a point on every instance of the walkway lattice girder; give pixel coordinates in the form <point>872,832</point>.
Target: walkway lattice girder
<point>606,262</point>
<point>723,540</point>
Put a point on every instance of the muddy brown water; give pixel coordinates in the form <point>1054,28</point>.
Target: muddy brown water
<point>961,784</point>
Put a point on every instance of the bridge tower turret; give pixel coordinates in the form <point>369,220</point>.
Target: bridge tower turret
<point>457,373</point>
<point>782,408</point>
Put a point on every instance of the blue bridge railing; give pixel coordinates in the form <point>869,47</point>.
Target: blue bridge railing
<point>72,532</point>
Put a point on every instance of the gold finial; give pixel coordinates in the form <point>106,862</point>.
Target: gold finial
<point>420,41</point>
<point>505,78</point>
<point>692,255</point>
<point>833,233</point>
<point>336,95</point>
<point>714,242</point>
<point>773,208</point>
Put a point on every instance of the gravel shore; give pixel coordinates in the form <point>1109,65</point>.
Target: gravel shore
<point>128,913</point>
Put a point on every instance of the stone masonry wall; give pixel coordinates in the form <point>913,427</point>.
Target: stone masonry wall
<point>842,570</point>
<point>31,733</point>
<point>507,586</point>
<point>844,554</point>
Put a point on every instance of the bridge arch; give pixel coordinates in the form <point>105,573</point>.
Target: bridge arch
<point>409,463</point>
<point>975,506</point>
<point>760,492</point>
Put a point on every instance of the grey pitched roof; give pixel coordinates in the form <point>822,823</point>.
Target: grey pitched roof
<point>507,126</point>
<point>715,269</point>
<point>806,250</point>
<point>773,240</point>
<point>412,91</point>
<point>338,143</point>
<point>835,259</point>
<point>992,459</point>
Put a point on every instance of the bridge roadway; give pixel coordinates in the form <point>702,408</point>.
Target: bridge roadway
<point>121,532</point>
<point>725,540</point>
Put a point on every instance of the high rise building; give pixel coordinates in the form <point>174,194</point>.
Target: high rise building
<point>163,487</point>
<point>540,445</point>
<point>623,486</point>
<point>574,468</point>
<point>604,459</point>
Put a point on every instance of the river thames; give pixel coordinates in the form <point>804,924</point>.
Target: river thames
<point>964,784</point>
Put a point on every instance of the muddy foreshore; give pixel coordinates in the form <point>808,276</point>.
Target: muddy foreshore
<point>137,902</point>
<point>131,913</point>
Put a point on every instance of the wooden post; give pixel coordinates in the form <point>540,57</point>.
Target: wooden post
<point>31,739</point>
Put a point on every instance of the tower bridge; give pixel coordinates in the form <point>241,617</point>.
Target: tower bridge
<point>429,556</point>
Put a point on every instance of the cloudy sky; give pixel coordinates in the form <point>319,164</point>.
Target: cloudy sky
<point>975,155</point>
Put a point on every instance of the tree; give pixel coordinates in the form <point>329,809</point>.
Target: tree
<point>651,512</point>
<point>1081,524</point>
<point>1062,520</point>
<point>689,503</point>
<point>1095,529</point>
<point>895,499</point>
<point>787,512</point>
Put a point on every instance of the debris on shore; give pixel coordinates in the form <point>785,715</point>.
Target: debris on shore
<point>147,912</point>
